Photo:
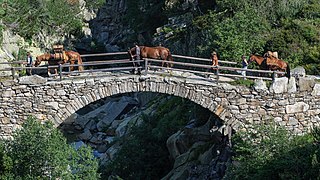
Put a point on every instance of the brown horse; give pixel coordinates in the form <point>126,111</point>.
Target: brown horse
<point>51,61</point>
<point>65,57</point>
<point>271,63</point>
<point>260,60</point>
<point>154,53</point>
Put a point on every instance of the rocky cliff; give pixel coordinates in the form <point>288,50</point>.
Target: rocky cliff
<point>120,23</point>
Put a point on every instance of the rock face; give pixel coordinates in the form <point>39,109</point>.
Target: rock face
<point>110,28</point>
<point>101,123</point>
<point>199,154</point>
<point>114,34</point>
<point>8,49</point>
<point>107,28</point>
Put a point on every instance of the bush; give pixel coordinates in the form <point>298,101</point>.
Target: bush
<point>271,151</point>
<point>39,151</point>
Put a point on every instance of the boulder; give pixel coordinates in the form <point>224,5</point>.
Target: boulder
<point>259,84</point>
<point>279,85</point>
<point>292,86</point>
<point>32,80</point>
<point>298,72</point>
<point>306,83</point>
<point>316,90</point>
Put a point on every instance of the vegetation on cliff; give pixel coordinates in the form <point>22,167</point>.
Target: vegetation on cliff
<point>28,18</point>
<point>233,28</point>
<point>291,28</point>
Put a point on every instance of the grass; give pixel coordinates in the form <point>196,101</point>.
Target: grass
<point>243,82</point>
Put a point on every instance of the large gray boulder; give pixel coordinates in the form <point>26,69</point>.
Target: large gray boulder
<point>298,72</point>
<point>32,80</point>
<point>316,90</point>
<point>292,86</point>
<point>306,83</point>
<point>279,85</point>
<point>260,85</point>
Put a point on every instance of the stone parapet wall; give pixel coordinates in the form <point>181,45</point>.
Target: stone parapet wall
<point>237,106</point>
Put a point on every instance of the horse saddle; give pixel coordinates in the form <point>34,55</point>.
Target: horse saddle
<point>271,61</point>
<point>59,56</point>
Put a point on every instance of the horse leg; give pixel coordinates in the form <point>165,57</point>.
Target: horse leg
<point>49,73</point>
<point>72,62</point>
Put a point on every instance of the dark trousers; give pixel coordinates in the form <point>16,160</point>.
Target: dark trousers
<point>29,71</point>
<point>136,66</point>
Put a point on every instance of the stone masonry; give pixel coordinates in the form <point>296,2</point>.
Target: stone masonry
<point>237,106</point>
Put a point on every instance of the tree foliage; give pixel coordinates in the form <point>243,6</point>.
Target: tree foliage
<point>237,27</point>
<point>39,151</point>
<point>31,17</point>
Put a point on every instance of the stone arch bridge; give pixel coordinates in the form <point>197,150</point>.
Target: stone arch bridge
<point>236,106</point>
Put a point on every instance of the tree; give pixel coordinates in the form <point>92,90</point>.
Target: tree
<point>243,33</point>
<point>40,151</point>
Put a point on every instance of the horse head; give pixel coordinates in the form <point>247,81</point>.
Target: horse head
<point>131,53</point>
<point>38,61</point>
<point>251,58</point>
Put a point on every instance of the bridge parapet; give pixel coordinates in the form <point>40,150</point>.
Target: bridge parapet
<point>237,106</point>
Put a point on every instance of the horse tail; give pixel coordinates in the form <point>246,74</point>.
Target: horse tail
<point>80,67</point>
<point>170,58</point>
<point>288,71</point>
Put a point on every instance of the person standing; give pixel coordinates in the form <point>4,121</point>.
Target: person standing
<point>136,59</point>
<point>29,64</point>
<point>214,58</point>
<point>244,65</point>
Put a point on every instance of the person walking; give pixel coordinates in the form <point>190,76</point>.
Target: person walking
<point>244,66</point>
<point>29,64</point>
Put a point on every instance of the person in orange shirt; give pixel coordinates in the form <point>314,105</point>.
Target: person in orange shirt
<point>214,58</point>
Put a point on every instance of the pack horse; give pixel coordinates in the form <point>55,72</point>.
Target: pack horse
<point>60,56</point>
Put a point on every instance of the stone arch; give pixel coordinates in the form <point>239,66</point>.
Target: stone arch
<point>193,93</point>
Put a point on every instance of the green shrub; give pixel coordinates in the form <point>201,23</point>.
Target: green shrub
<point>39,151</point>
<point>271,152</point>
